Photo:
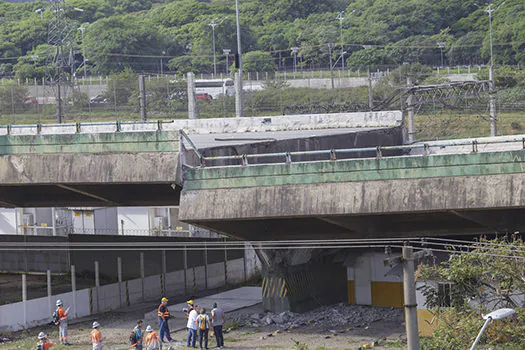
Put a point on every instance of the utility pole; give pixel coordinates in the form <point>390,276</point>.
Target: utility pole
<point>192,106</point>
<point>410,110</point>
<point>341,18</point>
<point>239,103</point>
<point>331,67</point>
<point>162,63</point>
<point>370,90</point>
<point>409,291</point>
<point>142,98</point>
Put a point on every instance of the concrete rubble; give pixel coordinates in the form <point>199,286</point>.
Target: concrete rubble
<point>335,319</point>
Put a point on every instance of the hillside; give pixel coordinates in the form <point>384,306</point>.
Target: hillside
<point>147,34</point>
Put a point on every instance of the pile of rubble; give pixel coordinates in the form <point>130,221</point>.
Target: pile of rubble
<point>339,316</point>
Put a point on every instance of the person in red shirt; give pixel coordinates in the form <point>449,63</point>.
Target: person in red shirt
<point>96,336</point>
<point>44,343</point>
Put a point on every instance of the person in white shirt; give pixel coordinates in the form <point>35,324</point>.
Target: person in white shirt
<point>192,315</point>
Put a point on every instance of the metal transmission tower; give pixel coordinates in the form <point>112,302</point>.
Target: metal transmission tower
<point>60,55</point>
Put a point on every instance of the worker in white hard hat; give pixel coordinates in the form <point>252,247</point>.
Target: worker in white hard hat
<point>60,318</point>
<point>43,342</point>
<point>96,336</point>
<point>153,341</point>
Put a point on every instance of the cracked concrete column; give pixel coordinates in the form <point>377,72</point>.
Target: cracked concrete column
<point>299,280</point>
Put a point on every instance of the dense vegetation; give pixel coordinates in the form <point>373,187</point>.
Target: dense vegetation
<point>143,34</point>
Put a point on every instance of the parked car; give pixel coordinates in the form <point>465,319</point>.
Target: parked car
<point>204,96</point>
<point>98,99</point>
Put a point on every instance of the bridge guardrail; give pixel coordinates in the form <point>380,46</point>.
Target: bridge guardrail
<point>332,153</point>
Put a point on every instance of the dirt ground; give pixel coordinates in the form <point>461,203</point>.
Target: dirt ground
<point>117,325</point>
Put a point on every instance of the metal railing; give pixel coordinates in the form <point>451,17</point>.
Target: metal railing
<point>332,154</point>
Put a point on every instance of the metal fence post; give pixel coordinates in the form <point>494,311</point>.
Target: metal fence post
<point>24,298</point>
<point>74,289</point>
<point>119,272</point>
<point>49,291</point>
<point>97,285</point>
<point>142,275</point>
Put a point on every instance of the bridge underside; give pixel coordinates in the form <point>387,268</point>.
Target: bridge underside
<point>86,195</point>
<point>440,223</point>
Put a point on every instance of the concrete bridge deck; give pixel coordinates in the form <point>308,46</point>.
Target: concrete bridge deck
<point>137,164</point>
<point>456,192</point>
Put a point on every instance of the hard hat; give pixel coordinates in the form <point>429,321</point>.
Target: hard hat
<point>96,324</point>
<point>41,335</point>
<point>164,300</point>
<point>149,329</point>
<point>190,302</point>
<point>59,302</point>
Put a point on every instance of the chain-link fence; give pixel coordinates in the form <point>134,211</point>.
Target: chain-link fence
<point>116,97</point>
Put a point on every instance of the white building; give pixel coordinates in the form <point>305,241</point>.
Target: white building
<point>130,221</point>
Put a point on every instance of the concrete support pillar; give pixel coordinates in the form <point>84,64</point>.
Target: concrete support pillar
<point>192,104</point>
<point>119,273</point>
<point>74,289</point>
<point>24,298</point>
<point>49,292</point>
<point>142,275</point>
<point>97,285</point>
<point>293,281</point>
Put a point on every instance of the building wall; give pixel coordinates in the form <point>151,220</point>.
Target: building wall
<point>7,221</point>
<point>369,285</point>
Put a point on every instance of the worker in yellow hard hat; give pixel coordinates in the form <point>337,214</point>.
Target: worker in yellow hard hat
<point>163,316</point>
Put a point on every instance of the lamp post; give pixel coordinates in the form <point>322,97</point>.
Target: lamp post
<point>441,46</point>
<point>226,53</point>
<point>294,51</point>
<point>239,108</point>
<point>161,63</point>
<point>341,18</point>
<point>82,29</point>
<point>492,98</point>
<point>494,315</point>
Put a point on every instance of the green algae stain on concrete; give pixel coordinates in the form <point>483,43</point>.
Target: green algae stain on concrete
<point>116,142</point>
<point>352,170</point>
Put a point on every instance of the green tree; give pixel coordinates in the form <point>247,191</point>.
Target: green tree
<point>258,61</point>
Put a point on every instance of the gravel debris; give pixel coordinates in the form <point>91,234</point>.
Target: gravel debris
<point>335,319</point>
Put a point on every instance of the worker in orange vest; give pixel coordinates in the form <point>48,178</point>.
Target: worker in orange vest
<point>62,316</point>
<point>44,343</point>
<point>152,339</point>
<point>96,336</point>
<point>163,316</point>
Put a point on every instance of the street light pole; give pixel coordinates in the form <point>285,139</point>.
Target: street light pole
<point>294,50</point>
<point>331,68</point>
<point>82,29</point>
<point>226,53</point>
<point>492,91</point>
<point>161,63</point>
<point>213,24</point>
<point>341,18</point>
<point>239,108</point>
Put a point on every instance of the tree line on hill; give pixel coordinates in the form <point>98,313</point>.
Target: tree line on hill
<point>176,36</point>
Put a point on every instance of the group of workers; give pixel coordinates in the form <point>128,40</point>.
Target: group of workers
<point>199,323</point>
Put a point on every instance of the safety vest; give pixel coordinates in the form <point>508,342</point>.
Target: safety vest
<point>166,313</point>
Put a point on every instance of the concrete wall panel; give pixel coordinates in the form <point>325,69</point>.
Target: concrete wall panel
<point>235,271</point>
<point>216,275</point>
<point>135,290</point>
